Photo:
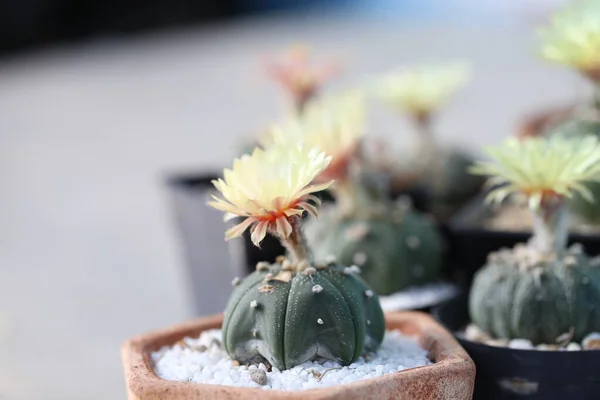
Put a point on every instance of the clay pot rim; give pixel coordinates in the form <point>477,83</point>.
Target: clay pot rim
<point>142,381</point>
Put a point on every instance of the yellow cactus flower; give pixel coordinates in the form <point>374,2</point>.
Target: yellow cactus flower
<point>295,73</point>
<point>573,37</point>
<point>542,167</point>
<point>269,187</point>
<point>332,124</point>
<point>422,89</point>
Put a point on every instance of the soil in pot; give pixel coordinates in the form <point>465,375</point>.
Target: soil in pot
<point>449,375</point>
<point>203,360</point>
<point>550,372</point>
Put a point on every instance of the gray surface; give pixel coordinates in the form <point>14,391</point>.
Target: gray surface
<point>88,254</point>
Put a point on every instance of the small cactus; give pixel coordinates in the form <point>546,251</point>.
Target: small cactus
<point>300,317</point>
<point>293,310</point>
<point>393,253</point>
<point>419,92</point>
<point>540,290</point>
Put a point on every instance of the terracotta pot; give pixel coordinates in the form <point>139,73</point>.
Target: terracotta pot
<point>451,377</point>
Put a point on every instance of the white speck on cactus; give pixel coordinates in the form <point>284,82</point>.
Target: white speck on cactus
<point>539,297</point>
<point>235,281</point>
<point>404,202</point>
<point>368,322</point>
<point>369,293</point>
<point>576,248</point>
<point>570,261</point>
<point>254,332</point>
<point>418,270</point>
<point>253,304</point>
<point>355,269</point>
<point>360,258</point>
<point>413,242</point>
<point>330,259</point>
<point>320,321</point>
<point>269,276</point>
<point>262,266</point>
<point>310,271</point>
<point>317,289</point>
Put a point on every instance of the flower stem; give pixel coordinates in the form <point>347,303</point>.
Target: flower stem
<point>295,243</point>
<point>550,226</point>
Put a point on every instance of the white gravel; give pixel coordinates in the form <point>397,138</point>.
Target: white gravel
<point>418,297</point>
<point>202,360</point>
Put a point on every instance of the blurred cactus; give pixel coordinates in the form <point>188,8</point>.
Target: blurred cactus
<point>396,248</point>
<point>420,92</point>
<point>540,290</point>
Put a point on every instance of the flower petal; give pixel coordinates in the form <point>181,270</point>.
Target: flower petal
<point>239,228</point>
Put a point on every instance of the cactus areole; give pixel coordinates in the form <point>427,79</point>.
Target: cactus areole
<point>541,289</point>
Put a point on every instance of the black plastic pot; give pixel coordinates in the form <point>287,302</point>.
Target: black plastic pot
<point>470,242</point>
<point>505,374</point>
<point>189,194</point>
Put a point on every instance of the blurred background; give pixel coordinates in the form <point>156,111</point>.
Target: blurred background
<point>101,101</point>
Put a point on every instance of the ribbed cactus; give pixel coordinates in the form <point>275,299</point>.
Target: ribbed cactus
<point>541,289</point>
<point>511,299</point>
<point>287,316</point>
<point>396,248</point>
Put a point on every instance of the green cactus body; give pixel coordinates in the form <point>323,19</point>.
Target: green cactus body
<point>539,302</point>
<point>286,318</point>
<point>395,250</point>
<point>589,212</point>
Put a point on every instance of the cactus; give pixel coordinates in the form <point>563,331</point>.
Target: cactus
<point>288,316</point>
<point>541,289</point>
<point>294,310</point>
<point>513,299</point>
<point>395,249</point>
<point>419,92</point>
